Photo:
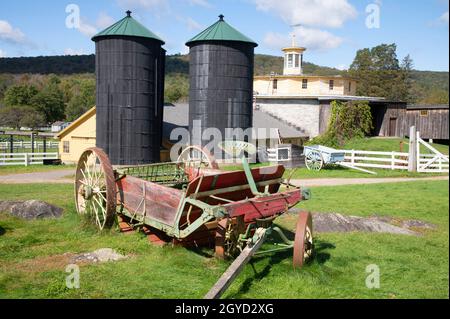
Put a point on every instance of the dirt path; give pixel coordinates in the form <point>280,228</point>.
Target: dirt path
<point>56,176</point>
<point>359,181</point>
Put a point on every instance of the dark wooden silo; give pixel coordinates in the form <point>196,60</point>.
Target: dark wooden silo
<point>221,80</point>
<point>129,66</point>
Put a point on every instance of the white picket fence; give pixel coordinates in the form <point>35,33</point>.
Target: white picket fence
<point>25,158</point>
<point>5,146</point>
<point>374,159</point>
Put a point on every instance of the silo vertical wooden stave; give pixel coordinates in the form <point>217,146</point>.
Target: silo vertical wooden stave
<point>130,92</point>
<point>221,80</point>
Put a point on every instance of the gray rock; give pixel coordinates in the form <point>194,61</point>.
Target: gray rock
<point>30,209</point>
<point>334,222</point>
<point>99,255</point>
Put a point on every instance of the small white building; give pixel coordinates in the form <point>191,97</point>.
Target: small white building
<point>58,126</point>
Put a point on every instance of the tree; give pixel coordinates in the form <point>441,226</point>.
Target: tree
<point>379,73</point>
<point>50,102</point>
<point>11,116</point>
<point>82,101</point>
<point>20,94</point>
<point>32,118</point>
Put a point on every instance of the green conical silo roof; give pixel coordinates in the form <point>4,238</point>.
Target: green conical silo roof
<point>220,31</point>
<point>127,27</point>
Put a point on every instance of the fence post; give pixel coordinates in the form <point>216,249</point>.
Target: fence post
<point>412,158</point>
<point>352,159</point>
<point>26,159</point>
<point>393,161</point>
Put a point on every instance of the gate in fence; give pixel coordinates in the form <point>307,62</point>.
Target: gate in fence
<point>434,162</point>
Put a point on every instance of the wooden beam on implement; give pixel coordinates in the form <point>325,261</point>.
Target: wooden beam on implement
<point>237,266</point>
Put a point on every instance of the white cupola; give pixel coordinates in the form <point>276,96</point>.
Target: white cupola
<point>293,59</point>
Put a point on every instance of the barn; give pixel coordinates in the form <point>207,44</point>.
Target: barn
<point>395,119</point>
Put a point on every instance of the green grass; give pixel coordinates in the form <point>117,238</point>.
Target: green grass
<point>387,145</point>
<point>19,169</point>
<point>365,144</point>
<point>335,171</point>
<point>410,267</point>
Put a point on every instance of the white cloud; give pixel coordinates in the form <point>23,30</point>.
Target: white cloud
<point>313,13</point>
<point>191,24</point>
<point>2,54</point>
<point>202,3</point>
<point>104,20</point>
<point>342,67</point>
<point>144,4</point>
<point>11,34</point>
<point>444,18</point>
<point>87,29</point>
<point>312,39</point>
<point>70,51</point>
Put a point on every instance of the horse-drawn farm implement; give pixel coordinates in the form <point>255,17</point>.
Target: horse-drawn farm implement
<point>192,203</point>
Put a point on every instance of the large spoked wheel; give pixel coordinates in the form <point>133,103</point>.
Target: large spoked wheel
<point>303,242</point>
<point>314,161</point>
<point>95,188</point>
<point>227,237</point>
<point>194,158</point>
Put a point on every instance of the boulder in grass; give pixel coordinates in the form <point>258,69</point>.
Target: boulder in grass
<point>30,209</point>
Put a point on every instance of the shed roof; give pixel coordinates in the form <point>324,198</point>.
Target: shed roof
<point>220,31</point>
<point>83,118</point>
<point>127,27</point>
<point>426,106</point>
<point>177,115</point>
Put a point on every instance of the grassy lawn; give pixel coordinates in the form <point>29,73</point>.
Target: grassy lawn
<point>335,171</point>
<point>366,144</point>
<point>19,169</point>
<point>387,145</point>
<point>410,267</point>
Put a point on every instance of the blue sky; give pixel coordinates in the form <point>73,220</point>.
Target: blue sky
<point>332,30</point>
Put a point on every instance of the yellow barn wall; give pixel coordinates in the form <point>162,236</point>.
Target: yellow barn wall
<point>293,86</point>
<point>80,138</point>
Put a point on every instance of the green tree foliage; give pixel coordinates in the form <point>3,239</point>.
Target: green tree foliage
<point>379,73</point>
<point>82,99</point>
<point>176,88</point>
<point>67,64</point>
<point>20,94</point>
<point>348,120</point>
<point>50,101</point>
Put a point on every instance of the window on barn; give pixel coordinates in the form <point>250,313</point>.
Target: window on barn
<point>304,83</point>
<point>349,86</point>
<point>331,85</point>
<point>66,147</point>
<point>423,112</point>
<point>275,84</point>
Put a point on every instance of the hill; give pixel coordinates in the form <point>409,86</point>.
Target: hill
<point>427,86</point>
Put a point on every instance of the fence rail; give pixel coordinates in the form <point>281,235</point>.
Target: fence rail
<point>4,146</point>
<point>374,159</point>
<point>25,158</point>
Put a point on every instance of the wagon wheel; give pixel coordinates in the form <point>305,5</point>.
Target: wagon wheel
<point>95,188</point>
<point>227,237</point>
<point>314,161</point>
<point>195,158</point>
<point>303,243</point>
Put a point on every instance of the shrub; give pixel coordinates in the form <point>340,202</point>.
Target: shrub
<point>348,120</point>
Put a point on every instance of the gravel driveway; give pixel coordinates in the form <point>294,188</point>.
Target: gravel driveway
<point>56,176</point>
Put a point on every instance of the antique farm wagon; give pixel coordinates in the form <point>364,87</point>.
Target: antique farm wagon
<point>192,202</point>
